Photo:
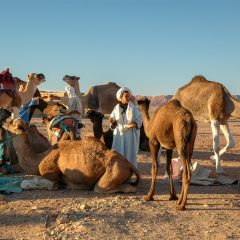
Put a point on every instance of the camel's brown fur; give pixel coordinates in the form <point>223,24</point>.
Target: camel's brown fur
<point>100,97</point>
<point>83,164</point>
<point>211,101</point>
<point>9,99</point>
<point>171,126</point>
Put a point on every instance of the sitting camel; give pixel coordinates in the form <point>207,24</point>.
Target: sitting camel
<point>171,126</point>
<point>107,137</point>
<point>9,97</point>
<point>38,142</point>
<point>60,127</point>
<point>29,90</point>
<point>83,164</point>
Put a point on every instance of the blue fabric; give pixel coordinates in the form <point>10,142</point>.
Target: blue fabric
<point>10,184</point>
<point>24,110</point>
<point>2,152</point>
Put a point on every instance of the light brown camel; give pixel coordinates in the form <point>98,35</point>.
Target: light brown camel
<point>171,126</point>
<point>38,142</point>
<point>101,98</point>
<point>28,90</point>
<point>83,164</point>
<point>211,101</point>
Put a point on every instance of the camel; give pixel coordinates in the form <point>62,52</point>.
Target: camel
<point>9,97</point>
<point>83,164</point>
<point>101,98</point>
<point>171,126</point>
<point>211,101</point>
<point>65,129</point>
<point>38,142</point>
<point>28,90</point>
<point>96,119</point>
<point>107,137</point>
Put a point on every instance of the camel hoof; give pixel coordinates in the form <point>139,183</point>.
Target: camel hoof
<point>148,198</point>
<point>180,208</point>
<point>173,198</point>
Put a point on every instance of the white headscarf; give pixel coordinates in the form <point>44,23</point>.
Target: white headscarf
<point>121,91</point>
<point>70,91</point>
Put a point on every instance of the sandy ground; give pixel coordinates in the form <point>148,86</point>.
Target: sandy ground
<point>212,211</point>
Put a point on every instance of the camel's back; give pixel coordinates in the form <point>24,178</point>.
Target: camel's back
<point>204,99</point>
<point>83,159</point>
<point>168,118</point>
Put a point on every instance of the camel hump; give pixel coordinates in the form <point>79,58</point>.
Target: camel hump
<point>199,78</point>
<point>112,83</point>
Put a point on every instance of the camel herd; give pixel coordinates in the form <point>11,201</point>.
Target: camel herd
<point>90,163</point>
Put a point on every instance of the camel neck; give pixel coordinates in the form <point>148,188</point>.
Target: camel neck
<point>146,119</point>
<point>97,129</point>
<point>28,159</point>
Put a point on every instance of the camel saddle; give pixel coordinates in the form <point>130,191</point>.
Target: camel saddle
<point>7,81</point>
<point>65,121</point>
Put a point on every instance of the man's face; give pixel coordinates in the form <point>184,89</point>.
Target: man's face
<point>125,98</point>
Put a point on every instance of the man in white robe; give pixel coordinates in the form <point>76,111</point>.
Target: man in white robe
<point>74,107</point>
<point>126,120</point>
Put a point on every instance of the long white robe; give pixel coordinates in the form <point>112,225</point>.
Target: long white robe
<point>126,140</point>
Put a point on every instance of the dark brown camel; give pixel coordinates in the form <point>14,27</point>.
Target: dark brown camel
<point>171,126</point>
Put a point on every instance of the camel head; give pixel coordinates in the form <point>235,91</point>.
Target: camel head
<point>36,78</point>
<point>143,103</point>
<point>16,127</point>
<point>71,80</point>
<point>52,111</point>
<point>94,115</point>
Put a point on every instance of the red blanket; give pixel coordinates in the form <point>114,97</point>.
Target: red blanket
<point>7,81</point>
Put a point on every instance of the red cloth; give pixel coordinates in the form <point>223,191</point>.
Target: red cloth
<point>7,81</point>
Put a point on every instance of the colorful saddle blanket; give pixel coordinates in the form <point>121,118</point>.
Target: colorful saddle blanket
<point>7,81</point>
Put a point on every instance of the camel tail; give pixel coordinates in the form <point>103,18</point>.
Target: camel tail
<point>137,173</point>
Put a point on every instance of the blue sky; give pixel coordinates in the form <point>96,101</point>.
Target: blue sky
<point>153,47</point>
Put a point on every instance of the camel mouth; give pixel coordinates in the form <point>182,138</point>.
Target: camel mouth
<point>41,77</point>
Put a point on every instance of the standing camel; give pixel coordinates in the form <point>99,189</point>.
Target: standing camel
<point>171,126</point>
<point>211,101</point>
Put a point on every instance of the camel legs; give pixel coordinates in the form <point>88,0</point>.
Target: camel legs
<point>173,195</point>
<point>229,139</point>
<point>215,125</point>
<point>114,180</point>
<point>154,148</point>
<point>185,184</point>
